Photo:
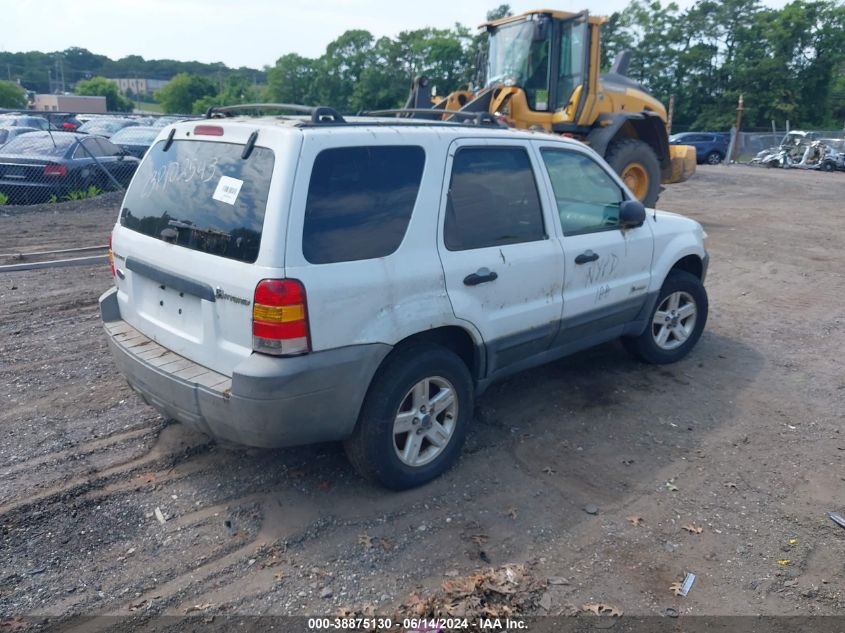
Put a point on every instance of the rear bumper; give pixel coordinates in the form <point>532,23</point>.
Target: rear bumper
<point>268,402</point>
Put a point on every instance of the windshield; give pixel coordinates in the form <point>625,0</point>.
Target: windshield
<point>109,127</point>
<point>515,56</point>
<point>520,54</point>
<point>202,196</point>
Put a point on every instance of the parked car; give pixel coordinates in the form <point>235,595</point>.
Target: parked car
<point>710,147</point>
<point>63,121</point>
<point>36,166</point>
<point>8,133</point>
<point>164,121</point>
<point>105,127</point>
<point>22,120</point>
<point>135,140</point>
<point>281,281</point>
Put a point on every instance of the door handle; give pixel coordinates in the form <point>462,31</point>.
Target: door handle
<point>481,276</point>
<point>586,256</point>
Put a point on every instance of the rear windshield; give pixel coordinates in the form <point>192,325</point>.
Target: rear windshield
<point>203,196</point>
<point>135,135</point>
<point>40,144</point>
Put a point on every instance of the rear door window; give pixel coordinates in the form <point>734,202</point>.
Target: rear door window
<point>202,196</point>
<point>360,201</point>
<point>492,199</point>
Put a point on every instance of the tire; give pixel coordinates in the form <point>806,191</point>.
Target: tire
<point>714,158</point>
<point>377,451</point>
<point>681,332</point>
<point>828,166</point>
<point>633,159</point>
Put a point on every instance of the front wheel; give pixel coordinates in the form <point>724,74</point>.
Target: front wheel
<point>414,419</point>
<point>675,323</point>
<point>828,166</point>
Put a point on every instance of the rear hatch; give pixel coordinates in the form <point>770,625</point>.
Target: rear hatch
<point>187,246</point>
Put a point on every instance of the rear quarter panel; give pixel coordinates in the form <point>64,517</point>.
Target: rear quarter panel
<point>380,300</point>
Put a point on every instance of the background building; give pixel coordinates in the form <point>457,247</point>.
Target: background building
<point>69,103</point>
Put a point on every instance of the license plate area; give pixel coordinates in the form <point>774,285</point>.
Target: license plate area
<point>169,308</point>
<point>15,173</point>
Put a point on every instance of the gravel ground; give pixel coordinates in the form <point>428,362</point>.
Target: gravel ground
<point>606,479</point>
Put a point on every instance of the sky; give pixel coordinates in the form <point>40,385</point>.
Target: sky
<point>250,33</point>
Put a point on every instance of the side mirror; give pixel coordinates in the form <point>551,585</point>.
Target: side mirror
<point>631,214</point>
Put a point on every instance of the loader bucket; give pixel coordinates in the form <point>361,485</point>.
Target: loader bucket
<point>682,158</point>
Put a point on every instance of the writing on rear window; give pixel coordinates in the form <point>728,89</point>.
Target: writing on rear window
<point>181,171</point>
<point>203,196</point>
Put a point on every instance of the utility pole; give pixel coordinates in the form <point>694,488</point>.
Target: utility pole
<point>671,114</point>
<point>739,110</point>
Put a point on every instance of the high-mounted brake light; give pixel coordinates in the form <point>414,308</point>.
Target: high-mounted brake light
<point>280,318</point>
<point>111,258</point>
<point>208,130</point>
<point>55,170</point>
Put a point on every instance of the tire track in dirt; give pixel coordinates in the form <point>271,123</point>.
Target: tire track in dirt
<point>77,452</point>
<point>161,453</point>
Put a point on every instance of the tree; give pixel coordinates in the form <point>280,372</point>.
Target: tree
<point>102,87</point>
<point>181,92</point>
<point>291,80</point>
<point>238,89</point>
<point>11,95</point>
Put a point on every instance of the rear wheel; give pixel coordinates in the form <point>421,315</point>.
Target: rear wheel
<point>713,158</point>
<point>414,419</point>
<point>828,166</point>
<point>637,164</point>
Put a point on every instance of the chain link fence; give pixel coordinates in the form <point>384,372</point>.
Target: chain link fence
<point>48,157</point>
<point>750,144</point>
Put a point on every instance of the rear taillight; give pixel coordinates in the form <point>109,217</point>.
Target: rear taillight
<point>280,318</point>
<point>55,170</point>
<point>70,127</point>
<point>111,257</point>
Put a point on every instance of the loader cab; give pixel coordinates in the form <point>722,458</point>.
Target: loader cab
<point>547,55</point>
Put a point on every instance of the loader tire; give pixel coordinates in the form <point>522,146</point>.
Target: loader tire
<point>638,166</point>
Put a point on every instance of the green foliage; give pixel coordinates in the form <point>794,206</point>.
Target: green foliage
<point>11,96</point>
<point>102,87</point>
<point>179,96</point>
<point>787,63</point>
<point>79,63</point>
<point>238,89</point>
<point>83,194</point>
<point>4,199</point>
<point>358,72</point>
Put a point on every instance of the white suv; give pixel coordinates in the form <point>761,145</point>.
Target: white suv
<point>289,280</point>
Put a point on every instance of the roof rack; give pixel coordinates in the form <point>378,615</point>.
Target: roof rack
<point>476,118</point>
<point>319,114</point>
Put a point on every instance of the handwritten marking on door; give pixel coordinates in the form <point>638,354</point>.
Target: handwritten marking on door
<point>601,270</point>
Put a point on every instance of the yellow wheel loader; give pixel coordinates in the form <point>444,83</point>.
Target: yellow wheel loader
<point>541,71</point>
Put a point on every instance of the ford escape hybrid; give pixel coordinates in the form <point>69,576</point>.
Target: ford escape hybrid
<point>287,280</point>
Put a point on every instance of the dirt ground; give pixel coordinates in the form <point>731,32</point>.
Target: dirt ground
<point>587,471</point>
